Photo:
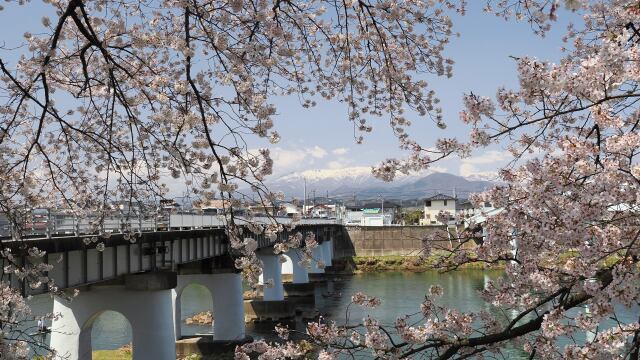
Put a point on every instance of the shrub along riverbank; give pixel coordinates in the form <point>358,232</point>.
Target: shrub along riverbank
<point>362,264</point>
<point>368,264</point>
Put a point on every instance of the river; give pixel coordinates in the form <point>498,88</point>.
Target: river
<point>401,293</point>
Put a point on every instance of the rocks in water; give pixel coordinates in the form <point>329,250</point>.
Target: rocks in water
<point>126,349</point>
<point>203,318</point>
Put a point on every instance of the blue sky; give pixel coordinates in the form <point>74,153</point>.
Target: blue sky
<point>310,138</point>
<point>322,138</point>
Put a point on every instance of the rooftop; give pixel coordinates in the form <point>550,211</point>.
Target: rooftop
<point>440,197</point>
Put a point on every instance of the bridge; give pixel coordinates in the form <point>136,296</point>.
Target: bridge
<point>143,279</point>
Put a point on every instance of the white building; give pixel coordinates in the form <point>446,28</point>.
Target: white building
<point>375,217</point>
<point>321,211</point>
<point>434,205</point>
<point>465,209</point>
<point>325,208</point>
<point>288,209</point>
<point>353,217</point>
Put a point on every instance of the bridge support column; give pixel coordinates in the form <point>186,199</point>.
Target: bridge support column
<point>228,309</point>
<point>272,273</point>
<point>327,252</point>
<point>317,256</point>
<point>229,318</point>
<point>273,306</point>
<point>148,312</point>
<point>300,272</point>
<point>300,291</point>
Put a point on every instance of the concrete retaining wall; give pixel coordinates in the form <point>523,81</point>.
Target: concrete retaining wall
<point>381,240</point>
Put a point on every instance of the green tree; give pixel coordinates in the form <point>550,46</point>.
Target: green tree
<point>412,217</point>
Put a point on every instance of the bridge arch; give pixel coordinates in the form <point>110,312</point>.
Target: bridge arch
<point>287,266</point>
<point>146,312</point>
<point>180,305</point>
<point>227,303</point>
<point>88,331</point>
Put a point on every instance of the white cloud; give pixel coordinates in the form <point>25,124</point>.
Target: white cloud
<point>286,159</point>
<point>340,151</point>
<point>296,158</point>
<point>489,157</point>
<point>472,172</point>
<point>317,152</point>
<point>434,169</point>
<point>485,165</point>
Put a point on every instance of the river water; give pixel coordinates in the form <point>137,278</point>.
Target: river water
<point>401,292</point>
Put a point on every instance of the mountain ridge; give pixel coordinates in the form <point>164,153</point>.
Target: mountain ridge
<point>358,182</point>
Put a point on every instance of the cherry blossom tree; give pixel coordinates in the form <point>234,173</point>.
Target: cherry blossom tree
<point>567,228</point>
<point>109,101</point>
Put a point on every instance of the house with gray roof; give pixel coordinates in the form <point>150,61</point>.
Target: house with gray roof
<point>434,205</point>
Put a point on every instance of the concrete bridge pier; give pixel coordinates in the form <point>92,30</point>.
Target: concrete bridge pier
<point>272,277</point>
<point>299,291</point>
<point>228,314</point>
<point>327,252</point>
<point>273,306</point>
<point>144,300</point>
<point>300,273</point>
<point>317,257</point>
<point>226,294</point>
<point>316,273</point>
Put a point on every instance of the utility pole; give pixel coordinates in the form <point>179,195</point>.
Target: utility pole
<point>304,206</point>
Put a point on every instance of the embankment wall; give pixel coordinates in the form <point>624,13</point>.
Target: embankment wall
<point>382,240</point>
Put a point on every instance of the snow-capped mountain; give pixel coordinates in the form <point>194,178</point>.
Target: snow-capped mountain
<point>357,181</point>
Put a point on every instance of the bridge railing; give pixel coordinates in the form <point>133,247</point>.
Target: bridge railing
<point>55,224</point>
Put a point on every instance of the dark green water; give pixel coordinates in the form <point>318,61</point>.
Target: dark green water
<point>401,294</point>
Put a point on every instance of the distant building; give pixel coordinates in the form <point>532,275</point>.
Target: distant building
<point>277,208</point>
<point>213,207</point>
<point>260,209</point>
<point>324,207</point>
<point>466,209</point>
<point>371,213</point>
<point>434,205</point>
<point>353,215</point>
<point>320,211</point>
<point>169,205</point>
<point>288,209</point>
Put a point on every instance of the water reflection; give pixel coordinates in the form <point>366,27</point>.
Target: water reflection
<point>111,330</point>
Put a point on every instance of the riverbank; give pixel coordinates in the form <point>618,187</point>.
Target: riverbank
<point>369,264</point>
<point>119,355</point>
<point>123,353</point>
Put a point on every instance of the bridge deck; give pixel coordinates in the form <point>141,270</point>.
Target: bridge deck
<point>79,264</point>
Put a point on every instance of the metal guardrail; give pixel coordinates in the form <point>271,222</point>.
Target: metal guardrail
<point>60,225</point>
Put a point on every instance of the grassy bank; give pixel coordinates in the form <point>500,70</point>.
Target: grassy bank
<point>362,264</point>
<point>111,355</point>
<point>120,355</point>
